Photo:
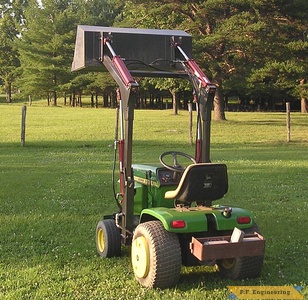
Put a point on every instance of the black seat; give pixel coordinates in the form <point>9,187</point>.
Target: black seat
<point>201,183</point>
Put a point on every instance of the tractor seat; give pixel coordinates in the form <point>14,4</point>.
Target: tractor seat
<point>201,183</point>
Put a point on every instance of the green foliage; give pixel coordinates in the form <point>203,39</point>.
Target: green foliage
<point>278,78</point>
<point>8,53</point>
<point>98,12</point>
<point>46,47</point>
<point>237,43</point>
<point>47,43</point>
<point>90,82</point>
<point>56,188</point>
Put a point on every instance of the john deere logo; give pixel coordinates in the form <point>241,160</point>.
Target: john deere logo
<point>207,184</point>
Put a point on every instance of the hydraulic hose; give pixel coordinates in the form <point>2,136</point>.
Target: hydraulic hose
<point>114,161</point>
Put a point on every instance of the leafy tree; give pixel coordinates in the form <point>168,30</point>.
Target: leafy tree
<point>8,53</point>
<point>46,47</point>
<point>47,42</point>
<point>285,76</point>
<point>233,39</point>
<point>98,12</point>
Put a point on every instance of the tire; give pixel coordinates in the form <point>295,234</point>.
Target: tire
<point>156,256</point>
<point>108,239</point>
<point>242,267</point>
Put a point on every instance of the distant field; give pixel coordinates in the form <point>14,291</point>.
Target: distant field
<point>56,188</point>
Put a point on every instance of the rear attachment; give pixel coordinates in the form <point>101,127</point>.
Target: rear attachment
<point>224,247</point>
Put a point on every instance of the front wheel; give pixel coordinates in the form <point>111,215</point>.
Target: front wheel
<point>242,267</point>
<point>108,239</point>
<point>156,256</point>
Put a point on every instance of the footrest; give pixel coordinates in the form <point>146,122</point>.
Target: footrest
<point>221,247</point>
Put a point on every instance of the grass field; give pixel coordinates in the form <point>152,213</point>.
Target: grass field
<point>56,188</point>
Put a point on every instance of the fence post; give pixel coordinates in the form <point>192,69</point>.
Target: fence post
<point>288,121</point>
<point>23,125</point>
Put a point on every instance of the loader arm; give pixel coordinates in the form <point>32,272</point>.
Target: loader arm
<point>204,91</point>
<point>127,96</point>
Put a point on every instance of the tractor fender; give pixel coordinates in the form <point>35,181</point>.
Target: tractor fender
<point>195,221</point>
<point>232,221</point>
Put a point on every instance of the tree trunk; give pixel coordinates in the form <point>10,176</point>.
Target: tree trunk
<point>92,99</point>
<point>54,100</point>
<point>114,101</point>
<point>96,99</point>
<point>9,92</point>
<point>304,105</point>
<point>175,101</point>
<point>79,99</point>
<point>304,101</point>
<point>73,102</point>
<point>219,104</point>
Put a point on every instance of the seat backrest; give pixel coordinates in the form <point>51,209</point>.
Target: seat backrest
<point>203,183</point>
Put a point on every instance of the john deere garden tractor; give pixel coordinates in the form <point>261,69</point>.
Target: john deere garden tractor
<point>166,211</point>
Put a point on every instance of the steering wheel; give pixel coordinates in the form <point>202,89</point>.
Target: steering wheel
<point>176,166</point>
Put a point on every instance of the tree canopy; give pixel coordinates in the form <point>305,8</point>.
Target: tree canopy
<point>252,50</point>
<point>236,41</point>
<point>9,61</point>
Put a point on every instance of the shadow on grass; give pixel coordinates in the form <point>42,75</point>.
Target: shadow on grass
<point>265,147</point>
<point>57,144</point>
<point>260,122</point>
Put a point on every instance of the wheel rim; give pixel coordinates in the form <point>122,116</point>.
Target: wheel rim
<point>100,240</point>
<point>228,263</point>
<point>140,257</point>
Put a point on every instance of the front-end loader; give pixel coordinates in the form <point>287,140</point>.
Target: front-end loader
<point>166,212</point>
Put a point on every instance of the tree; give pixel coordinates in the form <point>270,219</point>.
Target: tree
<point>47,42</point>
<point>46,48</point>
<point>232,39</point>
<point>223,32</point>
<point>295,24</point>
<point>174,86</point>
<point>98,12</point>
<point>284,75</point>
<point>8,53</point>
<point>303,92</point>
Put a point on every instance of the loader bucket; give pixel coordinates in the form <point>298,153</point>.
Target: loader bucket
<point>145,52</point>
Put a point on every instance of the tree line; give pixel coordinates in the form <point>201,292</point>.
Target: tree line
<point>254,50</point>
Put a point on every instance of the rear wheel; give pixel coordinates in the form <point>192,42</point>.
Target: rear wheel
<point>156,256</point>
<point>108,239</point>
<point>242,267</point>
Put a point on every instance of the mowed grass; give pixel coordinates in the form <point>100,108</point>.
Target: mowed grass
<point>56,188</point>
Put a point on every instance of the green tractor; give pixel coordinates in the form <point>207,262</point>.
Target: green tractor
<point>166,211</point>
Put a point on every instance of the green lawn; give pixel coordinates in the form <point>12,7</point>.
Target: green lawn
<point>56,188</point>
